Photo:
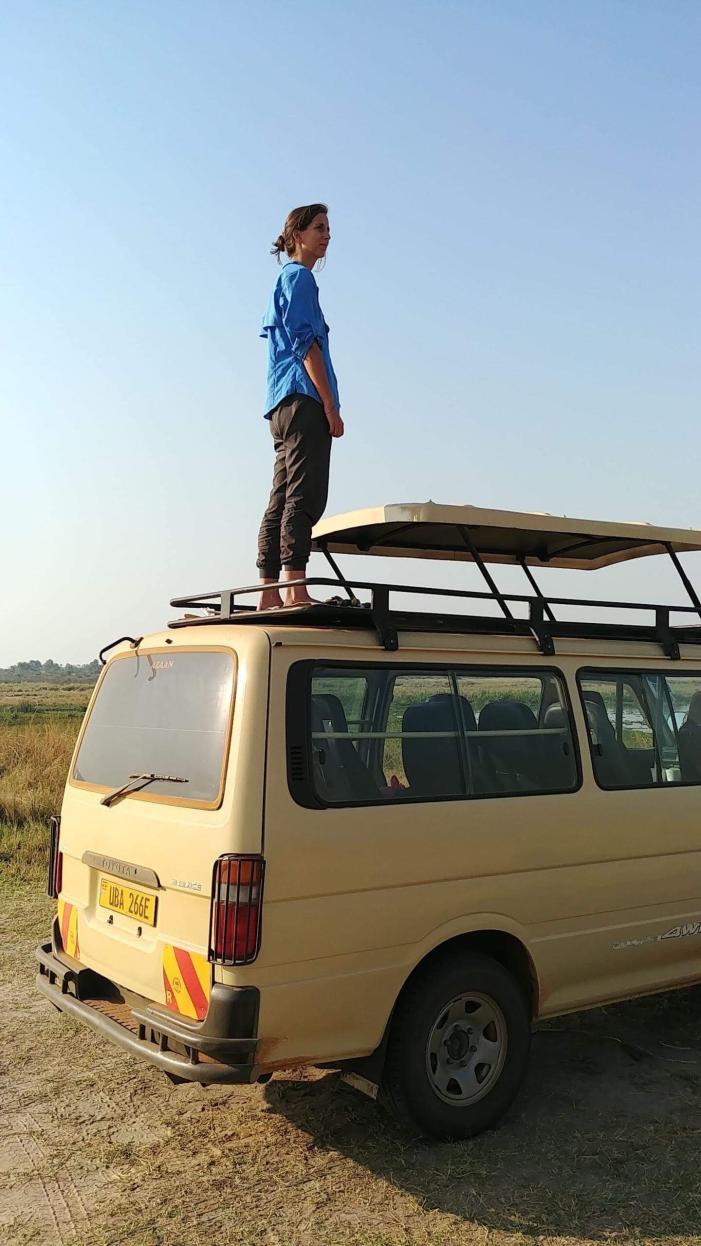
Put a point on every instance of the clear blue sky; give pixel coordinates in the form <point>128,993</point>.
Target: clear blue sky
<point>512,285</point>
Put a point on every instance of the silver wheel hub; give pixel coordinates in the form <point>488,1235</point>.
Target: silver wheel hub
<point>466,1049</point>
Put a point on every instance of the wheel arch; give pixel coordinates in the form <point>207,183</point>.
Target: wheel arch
<point>503,946</point>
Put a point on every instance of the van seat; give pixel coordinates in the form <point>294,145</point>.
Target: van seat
<point>432,766</point>
<point>481,774</point>
<point>614,764</point>
<point>515,758</point>
<point>339,771</point>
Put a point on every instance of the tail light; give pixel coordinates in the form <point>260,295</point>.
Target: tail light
<point>55,858</point>
<point>237,900</point>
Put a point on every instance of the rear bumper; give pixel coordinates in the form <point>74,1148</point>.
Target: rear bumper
<point>219,1049</point>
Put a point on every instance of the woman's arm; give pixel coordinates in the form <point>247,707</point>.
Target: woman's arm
<point>299,309</point>
<point>315,370</point>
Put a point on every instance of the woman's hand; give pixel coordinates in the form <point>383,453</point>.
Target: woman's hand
<point>334,421</point>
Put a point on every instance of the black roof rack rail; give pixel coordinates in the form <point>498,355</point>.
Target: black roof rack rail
<point>539,620</point>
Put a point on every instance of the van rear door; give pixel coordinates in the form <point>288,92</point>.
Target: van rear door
<point>143,822</point>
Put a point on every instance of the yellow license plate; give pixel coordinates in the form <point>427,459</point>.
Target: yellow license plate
<point>127,900</point>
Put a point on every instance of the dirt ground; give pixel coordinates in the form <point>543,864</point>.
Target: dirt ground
<point>97,1149</point>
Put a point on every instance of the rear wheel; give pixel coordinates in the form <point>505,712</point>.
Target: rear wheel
<point>458,1047</point>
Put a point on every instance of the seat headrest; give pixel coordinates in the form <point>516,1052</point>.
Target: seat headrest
<point>555,716</point>
<point>331,707</point>
<point>507,715</point>
<point>595,698</point>
<point>318,713</point>
<point>433,715</point>
<point>469,721</point>
<point>599,722</point>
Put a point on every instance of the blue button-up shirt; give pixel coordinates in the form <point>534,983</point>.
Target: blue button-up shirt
<point>292,322</point>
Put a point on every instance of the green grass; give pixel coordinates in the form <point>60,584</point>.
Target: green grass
<point>33,703</point>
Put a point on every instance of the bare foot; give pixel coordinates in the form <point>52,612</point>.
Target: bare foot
<point>269,600</point>
<point>296,594</point>
<point>300,600</point>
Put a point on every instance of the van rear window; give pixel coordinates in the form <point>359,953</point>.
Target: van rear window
<point>161,713</point>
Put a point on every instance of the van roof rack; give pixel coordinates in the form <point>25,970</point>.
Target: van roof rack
<point>474,534</point>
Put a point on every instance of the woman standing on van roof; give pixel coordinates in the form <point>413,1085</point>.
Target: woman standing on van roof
<point>302,405</point>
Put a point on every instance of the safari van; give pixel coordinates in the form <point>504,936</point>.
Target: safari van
<point>377,837</point>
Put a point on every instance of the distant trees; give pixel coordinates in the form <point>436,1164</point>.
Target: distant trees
<point>49,672</point>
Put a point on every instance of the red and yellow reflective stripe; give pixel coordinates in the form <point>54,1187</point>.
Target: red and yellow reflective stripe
<point>186,981</point>
<point>68,925</point>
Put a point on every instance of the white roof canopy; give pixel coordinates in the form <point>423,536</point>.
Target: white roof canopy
<point>431,530</point>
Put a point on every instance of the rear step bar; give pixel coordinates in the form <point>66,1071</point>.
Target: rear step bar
<point>219,1049</point>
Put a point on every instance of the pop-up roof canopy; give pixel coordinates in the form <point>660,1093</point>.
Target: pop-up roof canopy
<point>471,533</point>
<point>431,530</point>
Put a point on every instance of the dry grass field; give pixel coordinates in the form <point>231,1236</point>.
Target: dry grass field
<point>38,728</point>
<point>97,1149</point>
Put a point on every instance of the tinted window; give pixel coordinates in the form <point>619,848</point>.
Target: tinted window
<point>644,728</point>
<point>339,737</point>
<point>620,727</point>
<point>164,714</point>
<point>684,718</point>
<point>518,733</point>
<point>387,733</point>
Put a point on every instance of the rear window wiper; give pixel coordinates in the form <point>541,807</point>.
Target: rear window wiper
<point>136,783</point>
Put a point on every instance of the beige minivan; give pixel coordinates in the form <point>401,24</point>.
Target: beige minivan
<point>384,838</point>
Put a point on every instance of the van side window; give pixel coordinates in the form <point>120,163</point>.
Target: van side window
<point>619,724</point>
<point>340,737</point>
<point>642,730</point>
<point>683,716</point>
<point>387,733</point>
<point>518,733</point>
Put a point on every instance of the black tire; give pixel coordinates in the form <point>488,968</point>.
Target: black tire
<point>459,1000</point>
